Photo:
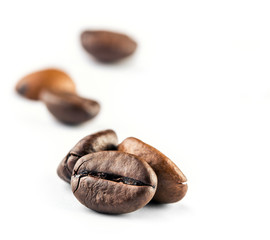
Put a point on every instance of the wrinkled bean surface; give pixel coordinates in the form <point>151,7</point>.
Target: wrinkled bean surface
<point>171,181</point>
<point>100,141</point>
<point>113,182</point>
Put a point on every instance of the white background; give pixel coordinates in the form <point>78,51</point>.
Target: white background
<point>198,89</point>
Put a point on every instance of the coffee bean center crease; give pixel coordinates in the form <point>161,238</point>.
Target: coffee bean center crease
<point>111,177</point>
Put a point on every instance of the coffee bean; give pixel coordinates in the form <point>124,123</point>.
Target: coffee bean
<point>107,46</point>
<point>70,108</point>
<point>57,90</point>
<point>100,141</point>
<point>171,187</point>
<point>113,182</point>
<point>31,85</point>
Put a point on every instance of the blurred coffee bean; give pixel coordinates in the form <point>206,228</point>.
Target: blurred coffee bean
<point>57,90</point>
<point>107,46</point>
<point>70,108</point>
<point>31,85</point>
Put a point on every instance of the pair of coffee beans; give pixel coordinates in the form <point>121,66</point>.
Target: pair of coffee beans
<point>111,178</point>
<point>57,90</point>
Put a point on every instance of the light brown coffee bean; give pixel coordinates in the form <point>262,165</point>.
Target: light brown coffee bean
<point>113,182</point>
<point>31,85</point>
<point>107,46</point>
<point>171,181</point>
<point>100,141</point>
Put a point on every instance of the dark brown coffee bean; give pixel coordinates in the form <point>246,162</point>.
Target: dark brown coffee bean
<point>113,182</point>
<point>100,141</point>
<point>171,187</point>
<point>107,46</point>
<point>31,85</point>
<point>70,108</point>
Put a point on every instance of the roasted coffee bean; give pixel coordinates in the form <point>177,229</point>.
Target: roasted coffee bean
<point>171,187</point>
<point>113,182</point>
<point>70,108</point>
<point>31,85</point>
<point>100,141</point>
<point>57,90</point>
<point>107,46</point>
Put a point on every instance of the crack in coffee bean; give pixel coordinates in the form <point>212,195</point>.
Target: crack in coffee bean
<point>113,182</point>
<point>111,177</point>
<point>66,161</point>
<point>101,141</point>
<point>120,178</point>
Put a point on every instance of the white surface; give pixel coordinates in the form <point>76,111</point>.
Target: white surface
<point>198,89</point>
